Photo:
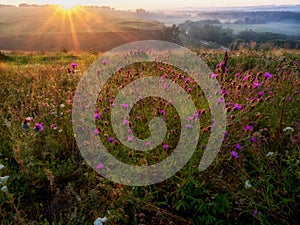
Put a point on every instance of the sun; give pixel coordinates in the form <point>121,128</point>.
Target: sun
<point>67,5</point>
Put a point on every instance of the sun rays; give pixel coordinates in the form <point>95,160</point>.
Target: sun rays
<point>74,28</point>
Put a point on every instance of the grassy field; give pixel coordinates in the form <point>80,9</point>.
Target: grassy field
<point>254,179</point>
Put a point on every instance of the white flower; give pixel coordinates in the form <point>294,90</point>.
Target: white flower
<point>4,188</point>
<point>4,179</point>
<point>288,129</point>
<point>62,105</point>
<point>247,184</point>
<point>100,221</point>
<point>269,154</point>
<point>1,166</point>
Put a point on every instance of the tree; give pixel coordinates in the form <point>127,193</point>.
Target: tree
<point>171,34</point>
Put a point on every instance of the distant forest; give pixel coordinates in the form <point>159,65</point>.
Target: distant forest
<point>212,31</point>
<point>255,17</point>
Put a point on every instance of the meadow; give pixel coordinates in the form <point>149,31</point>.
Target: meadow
<point>254,179</point>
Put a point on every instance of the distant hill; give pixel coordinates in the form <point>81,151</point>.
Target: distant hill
<point>85,28</point>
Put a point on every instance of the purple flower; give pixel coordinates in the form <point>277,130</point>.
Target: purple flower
<point>237,106</point>
<point>110,139</point>
<point>38,127</point>
<point>53,126</point>
<point>162,112</point>
<point>268,75</point>
<point>238,146</point>
<point>148,143</point>
<point>73,65</point>
<point>130,131</point>
<point>253,139</point>
<point>96,131</point>
<point>261,93</point>
<point>99,166</point>
<point>220,100</point>
<point>237,74</point>
<point>255,212</point>
<point>234,154</point>
<point>188,126</point>
<point>166,146</point>
<point>104,62</point>
<point>125,122</point>
<point>96,116</point>
<point>214,75</point>
<point>124,106</point>
<point>249,127</point>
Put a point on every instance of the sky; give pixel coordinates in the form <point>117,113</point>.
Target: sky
<point>159,4</point>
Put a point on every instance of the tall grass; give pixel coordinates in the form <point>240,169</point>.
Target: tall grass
<point>50,182</point>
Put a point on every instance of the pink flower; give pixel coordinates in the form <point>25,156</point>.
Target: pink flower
<point>166,146</point>
<point>96,116</point>
<point>256,84</point>
<point>99,166</point>
<point>268,75</point>
<point>104,62</point>
<point>237,106</point>
<point>249,127</point>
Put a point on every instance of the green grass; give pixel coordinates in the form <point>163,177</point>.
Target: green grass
<point>50,182</point>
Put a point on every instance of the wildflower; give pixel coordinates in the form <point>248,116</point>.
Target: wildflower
<point>249,127</point>
<point>62,105</point>
<point>268,75</point>
<point>99,166</point>
<point>130,131</point>
<point>162,112</point>
<point>125,122</point>
<point>124,106</point>
<point>269,154</point>
<point>253,139</point>
<point>234,154</point>
<point>104,62</point>
<point>220,100</point>
<point>73,65</point>
<point>97,116</point>
<point>261,93</point>
<point>53,126</point>
<point>3,179</point>
<point>238,146</point>
<point>96,131</point>
<point>100,221</point>
<point>166,146</point>
<point>288,129</point>
<point>255,212</point>
<point>130,138</point>
<point>256,84</point>
<point>4,188</point>
<point>237,106</point>
<point>188,126</point>
<point>110,139</point>
<point>148,143</point>
<point>214,75</point>
<point>38,127</point>
<point>226,133</point>
<point>248,184</point>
